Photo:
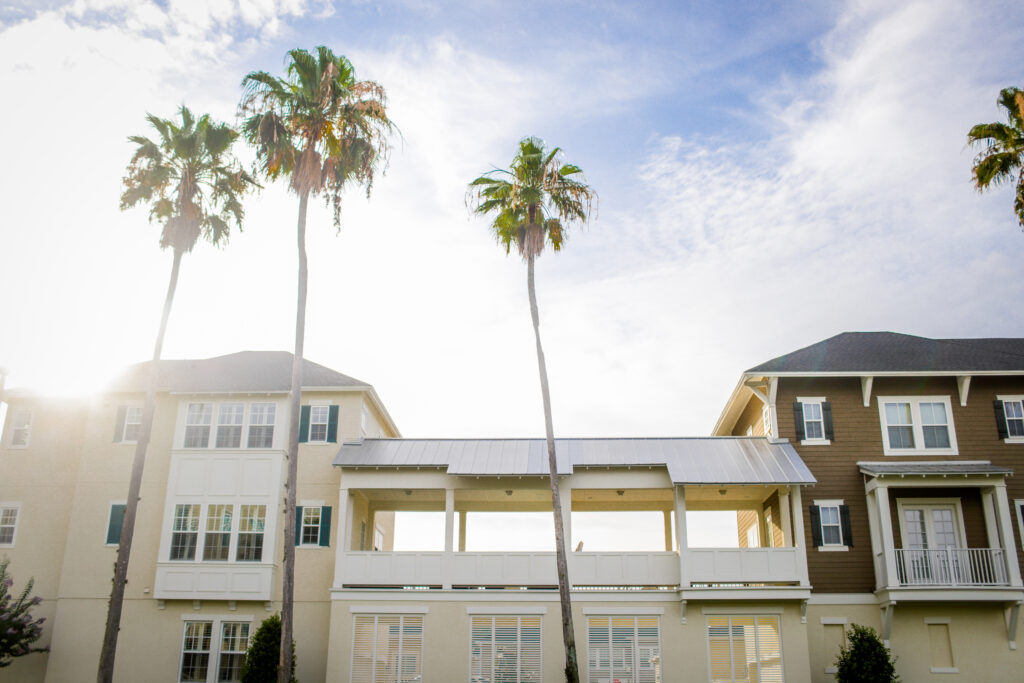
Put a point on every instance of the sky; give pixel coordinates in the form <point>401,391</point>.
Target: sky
<point>770,174</point>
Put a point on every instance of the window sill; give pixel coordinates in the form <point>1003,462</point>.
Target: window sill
<point>833,548</point>
<point>918,452</point>
<point>817,442</point>
<point>945,670</point>
<point>1014,439</point>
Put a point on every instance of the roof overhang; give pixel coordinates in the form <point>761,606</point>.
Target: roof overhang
<point>941,468</point>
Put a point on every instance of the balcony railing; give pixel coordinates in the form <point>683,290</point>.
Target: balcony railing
<point>952,567</point>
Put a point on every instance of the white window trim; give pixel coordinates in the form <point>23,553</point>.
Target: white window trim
<point>242,426</point>
<point>326,423</point>
<point>745,613</point>
<point>319,525</point>
<point>958,513</point>
<point>832,547</point>
<point>28,434</point>
<point>1020,519</point>
<point>216,633</point>
<point>833,621</point>
<point>823,441</point>
<point>124,428</point>
<point>521,613</point>
<point>414,614</point>
<point>211,442</point>
<point>1011,398</point>
<point>236,523</point>
<point>915,419</point>
<point>110,512</point>
<point>4,505</point>
<point>637,616</point>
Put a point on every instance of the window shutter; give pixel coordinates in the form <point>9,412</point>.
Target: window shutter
<point>325,526</point>
<point>826,415</point>
<point>303,424</point>
<point>798,420</point>
<point>122,415</point>
<point>816,525</point>
<point>1000,419</point>
<point>298,525</point>
<point>332,425</point>
<point>844,525</point>
<point>114,524</point>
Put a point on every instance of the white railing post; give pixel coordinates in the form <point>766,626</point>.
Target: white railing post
<point>344,524</point>
<point>799,539</point>
<point>950,567</point>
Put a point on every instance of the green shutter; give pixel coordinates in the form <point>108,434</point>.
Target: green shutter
<point>115,523</point>
<point>798,420</point>
<point>332,425</point>
<point>304,424</point>
<point>122,415</point>
<point>325,526</point>
<point>298,525</point>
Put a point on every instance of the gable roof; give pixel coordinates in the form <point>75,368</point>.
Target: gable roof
<point>243,371</point>
<point>701,460</point>
<point>867,352</point>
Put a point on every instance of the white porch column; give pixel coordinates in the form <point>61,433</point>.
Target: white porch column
<point>991,523</point>
<point>344,523</point>
<point>449,535</point>
<point>680,507</point>
<point>888,542</point>
<point>877,548</point>
<point>1005,517</point>
<point>799,539</point>
<point>668,530</point>
<point>786,520</point>
<point>462,531</point>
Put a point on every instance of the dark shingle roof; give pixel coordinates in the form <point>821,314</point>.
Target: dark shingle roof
<point>242,371</point>
<point>893,352</point>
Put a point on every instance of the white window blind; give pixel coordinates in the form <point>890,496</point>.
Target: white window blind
<point>745,648</point>
<point>387,648</point>
<point>624,649</point>
<point>505,649</point>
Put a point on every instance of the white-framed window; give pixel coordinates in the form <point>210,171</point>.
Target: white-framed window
<point>917,425</point>
<point>230,417</point>
<point>830,525</point>
<point>752,536</point>
<point>185,531</point>
<point>766,420</point>
<point>931,523</point>
<point>769,528</point>
<point>251,522</point>
<point>1010,411</point>
<point>130,422</point>
<point>624,648</point>
<point>21,427</point>
<point>505,648</point>
<point>387,648</point>
<point>319,416</point>
<point>378,539</point>
<point>213,650</point>
<point>8,523</point>
<point>364,421</point>
<point>261,425</point>
<point>310,529</point>
<point>197,425</point>
<point>217,538</point>
<point>745,648</point>
<point>229,532</point>
<point>1018,506</point>
<point>115,520</point>
<point>814,425</point>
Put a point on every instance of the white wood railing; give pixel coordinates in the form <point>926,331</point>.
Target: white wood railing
<point>952,567</point>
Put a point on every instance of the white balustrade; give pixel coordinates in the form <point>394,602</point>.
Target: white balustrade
<point>952,567</point>
<point>743,565</point>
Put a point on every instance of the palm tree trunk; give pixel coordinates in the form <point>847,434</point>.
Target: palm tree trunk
<point>105,673</point>
<point>284,672</point>
<point>572,674</point>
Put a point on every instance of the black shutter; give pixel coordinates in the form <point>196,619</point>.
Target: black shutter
<point>826,416</point>
<point>115,523</point>
<point>332,425</point>
<point>325,526</point>
<point>844,525</point>
<point>303,424</point>
<point>798,420</point>
<point>122,415</point>
<point>815,525</point>
<point>1000,419</point>
<point>298,525</point>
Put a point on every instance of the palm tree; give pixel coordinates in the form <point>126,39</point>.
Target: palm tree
<point>321,129</point>
<point>194,187</point>
<point>1001,160</point>
<point>533,202</point>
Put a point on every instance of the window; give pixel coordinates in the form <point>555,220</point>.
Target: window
<point>197,425</point>
<point>387,648</point>
<point>745,648</point>
<point>364,420</point>
<point>378,539</point>
<point>185,532</point>
<point>128,424</point>
<point>251,520</point>
<point>310,526</point>
<point>318,418</point>
<point>229,425</point>
<point>930,528</point>
<point>813,420</point>
<point>830,525</point>
<point>261,425</point>
<point>917,425</point>
<point>114,522</point>
<point>217,540</point>
<point>199,648</point>
<point>1018,505</point>
<point>505,649</point>
<point>21,425</point>
<point>940,646</point>
<point>8,524</point>
<point>769,527</point>
<point>318,424</point>
<point>834,637</point>
<point>766,420</point>
<point>1010,418</point>
<point>625,649</point>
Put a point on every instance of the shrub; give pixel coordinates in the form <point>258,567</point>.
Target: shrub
<point>864,658</point>
<point>264,655</point>
<point>18,630</point>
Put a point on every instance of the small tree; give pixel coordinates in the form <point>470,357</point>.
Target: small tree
<point>264,655</point>
<point>864,658</point>
<point>18,630</point>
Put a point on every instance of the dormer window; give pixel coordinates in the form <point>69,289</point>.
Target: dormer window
<point>917,425</point>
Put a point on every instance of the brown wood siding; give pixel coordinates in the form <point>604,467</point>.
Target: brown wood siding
<point>752,416</point>
<point>772,503</point>
<point>744,520</point>
<point>858,436</point>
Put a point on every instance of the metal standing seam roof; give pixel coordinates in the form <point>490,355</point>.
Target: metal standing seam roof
<point>876,469</point>
<point>702,460</point>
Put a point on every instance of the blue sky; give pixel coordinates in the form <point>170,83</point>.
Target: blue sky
<point>770,174</point>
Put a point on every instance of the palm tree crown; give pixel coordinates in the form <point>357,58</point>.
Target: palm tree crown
<point>190,179</point>
<point>533,200</point>
<point>1001,160</point>
<point>318,126</point>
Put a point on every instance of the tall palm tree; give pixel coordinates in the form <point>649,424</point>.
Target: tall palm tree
<point>194,187</point>
<point>322,130</point>
<point>533,202</point>
<point>1001,159</point>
